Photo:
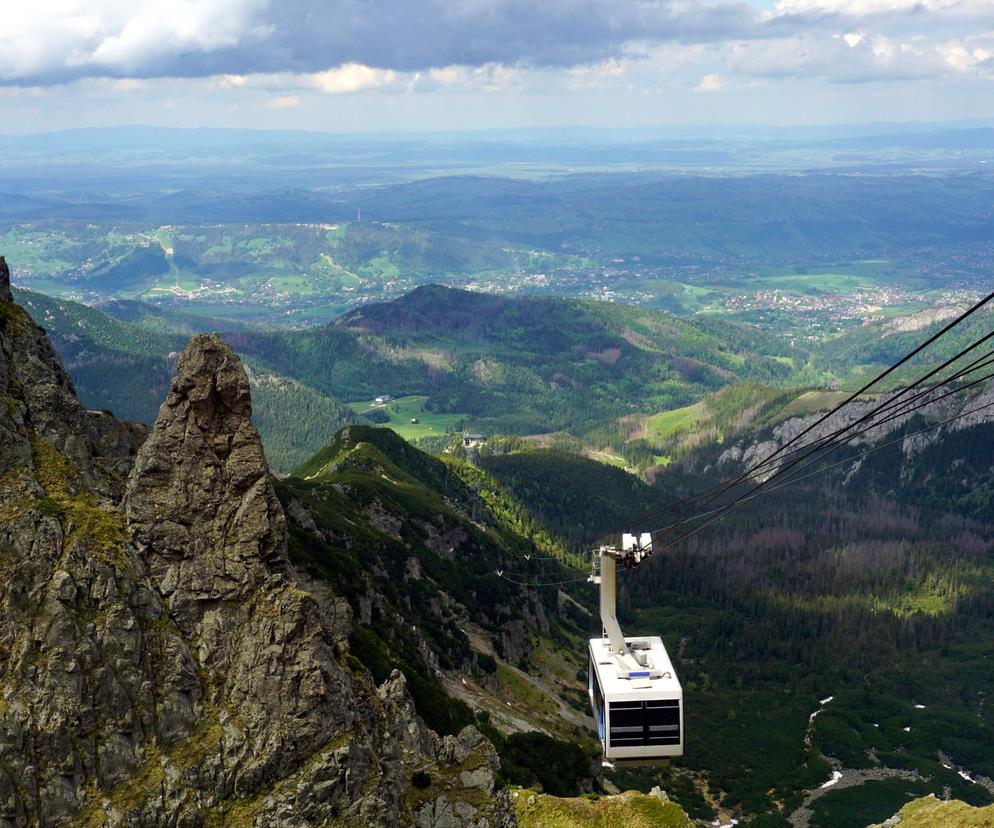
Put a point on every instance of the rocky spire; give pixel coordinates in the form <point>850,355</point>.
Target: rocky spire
<point>165,666</point>
<point>5,294</point>
<point>205,519</point>
<point>200,500</point>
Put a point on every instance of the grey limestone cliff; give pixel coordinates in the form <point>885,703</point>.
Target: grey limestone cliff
<point>161,664</point>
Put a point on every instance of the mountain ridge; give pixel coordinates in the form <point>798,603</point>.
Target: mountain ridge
<point>166,666</point>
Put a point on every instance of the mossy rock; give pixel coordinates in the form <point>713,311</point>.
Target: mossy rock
<point>83,519</point>
<point>930,812</point>
<point>628,810</point>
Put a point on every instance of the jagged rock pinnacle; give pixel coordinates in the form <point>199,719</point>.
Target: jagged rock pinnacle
<point>5,293</point>
<point>200,499</point>
<point>161,668</point>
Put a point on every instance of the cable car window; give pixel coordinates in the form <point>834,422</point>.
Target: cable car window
<point>652,722</point>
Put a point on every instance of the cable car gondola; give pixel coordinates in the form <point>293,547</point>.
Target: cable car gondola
<point>636,698</point>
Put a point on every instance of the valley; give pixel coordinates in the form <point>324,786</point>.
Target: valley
<point>620,338</point>
<point>873,588</point>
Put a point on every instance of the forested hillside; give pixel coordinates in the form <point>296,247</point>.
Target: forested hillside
<point>415,545</point>
<point>865,597</point>
<point>515,366</point>
<point>518,365</point>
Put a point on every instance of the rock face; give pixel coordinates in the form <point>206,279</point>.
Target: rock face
<point>5,294</point>
<point>956,412</point>
<point>81,638</point>
<point>160,661</point>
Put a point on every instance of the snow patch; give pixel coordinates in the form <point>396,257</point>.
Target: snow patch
<point>836,776</point>
<point>823,702</point>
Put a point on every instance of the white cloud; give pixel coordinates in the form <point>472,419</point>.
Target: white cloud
<point>862,58</point>
<point>611,68</point>
<point>78,37</point>
<point>449,75</point>
<point>709,83</point>
<point>284,102</point>
<point>859,8</point>
<point>349,77</point>
<point>490,77</point>
<point>285,53</point>
<point>605,74</point>
<point>339,80</point>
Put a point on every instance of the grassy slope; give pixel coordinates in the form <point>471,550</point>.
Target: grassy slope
<point>931,812</point>
<point>401,411</point>
<point>380,504</point>
<point>628,810</point>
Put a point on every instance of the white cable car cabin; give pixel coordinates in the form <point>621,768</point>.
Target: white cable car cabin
<point>636,698</point>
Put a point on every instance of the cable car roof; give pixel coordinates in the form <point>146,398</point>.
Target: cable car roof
<point>613,677</point>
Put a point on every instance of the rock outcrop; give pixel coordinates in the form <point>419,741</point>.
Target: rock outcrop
<point>160,661</point>
<point>83,639</point>
<point>947,414</point>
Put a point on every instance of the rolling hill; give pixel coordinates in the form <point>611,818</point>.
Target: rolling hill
<point>125,367</point>
<point>519,365</point>
<point>516,366</point>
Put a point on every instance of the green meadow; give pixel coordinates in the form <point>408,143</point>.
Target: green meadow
<point>403,410</point>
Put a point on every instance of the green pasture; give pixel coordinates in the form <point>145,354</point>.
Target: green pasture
<point>671,423</point>
<point>42,252</point>
<point>402,410</point>
<point>334,235</point>
<point>608,458</point>
<point>812,401</point>
<point>295,283</point>
<point>381,267</point>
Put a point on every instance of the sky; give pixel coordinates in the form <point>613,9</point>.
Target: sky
<point>419,65</point>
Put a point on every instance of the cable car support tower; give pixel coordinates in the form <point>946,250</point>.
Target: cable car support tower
<point>636,698</point>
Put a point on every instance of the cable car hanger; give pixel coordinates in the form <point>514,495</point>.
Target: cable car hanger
<point>635,696</point>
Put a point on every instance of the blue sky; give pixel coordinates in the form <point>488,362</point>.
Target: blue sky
<point>359,65</point>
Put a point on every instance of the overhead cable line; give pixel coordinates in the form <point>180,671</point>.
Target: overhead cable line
<point>893,401</point>
<point>722,510</point>
<point>779,472</point>
<point>711,494</point>
<point>904,409</point>
<point>500,574</point>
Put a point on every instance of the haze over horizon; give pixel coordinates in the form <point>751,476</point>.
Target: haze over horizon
<point>484,64</point>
